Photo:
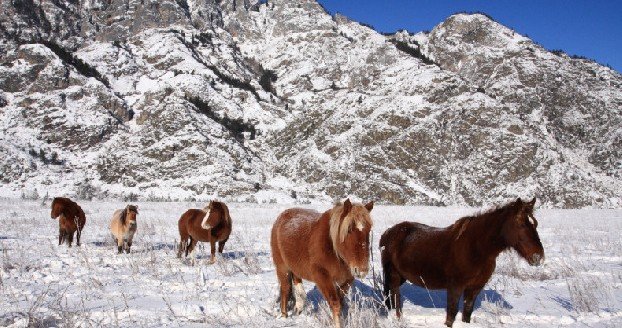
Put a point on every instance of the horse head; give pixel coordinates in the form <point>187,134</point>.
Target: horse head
<point>520,233</point>
<point>350,227</point>
<point>216,213</point>
<point>130,214</point>
<point>57,208</point>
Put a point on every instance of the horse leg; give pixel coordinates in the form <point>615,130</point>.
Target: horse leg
<point>392,283</point>
<point>212,244</point>
<point>193,253</point>
<point>469,300</point>
<point>328,290</point>
<point>61,236</point>
<point>70,238</point>
<point>285,284</point>
<point>453,296</point>
<point>221,245</point>
<point>188,245</point>
<point>183,244</point>
<point>129,245</point>
<point>343,289</point>
<point>78,235</point>
<point>299,295</point>
<point>119,245</point>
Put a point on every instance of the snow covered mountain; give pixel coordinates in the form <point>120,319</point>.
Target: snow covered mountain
<point>248,100</point>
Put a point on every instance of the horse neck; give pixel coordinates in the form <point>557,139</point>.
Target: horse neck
<point>485,235</point>
<point>323,231</point>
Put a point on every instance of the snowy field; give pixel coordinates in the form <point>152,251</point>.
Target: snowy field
<point>42,284</point>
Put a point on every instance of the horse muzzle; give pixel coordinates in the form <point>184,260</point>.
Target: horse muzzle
<point>536,260</point>
<point>359,272</point>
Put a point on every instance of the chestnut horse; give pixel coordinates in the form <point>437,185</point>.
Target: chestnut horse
<point>211,224</point>
<point>71,218</point>
<point>123,227</point>
<point>461,257</point>
<point>329,248</point>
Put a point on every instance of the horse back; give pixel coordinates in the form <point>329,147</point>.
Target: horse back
<point>187,218</point>
<point>295,222</point>
<point>300,240</point>
<point>75,211</point>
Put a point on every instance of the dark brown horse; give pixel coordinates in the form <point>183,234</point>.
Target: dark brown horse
<point>211,224</point>
<point>329,249</point>
<point>71,218</point>
<point>460,258</point>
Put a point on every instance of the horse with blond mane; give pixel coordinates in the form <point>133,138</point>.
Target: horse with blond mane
<point>71,218</point>
<point>211,224</point>
<point>123,227</point>
<point>329,248</point>
<point>461,257</point>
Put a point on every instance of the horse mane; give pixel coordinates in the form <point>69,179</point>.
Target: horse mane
<point>126,210</point>
<point>223,207</point>
<point>123,216</point>
<point>494,213</point>
<point>133,208</point>
<point>225,211</point>
<point>338,229</point>
<point>66,203</point>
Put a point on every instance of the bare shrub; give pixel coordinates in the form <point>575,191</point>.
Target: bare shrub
<point>587,293</point>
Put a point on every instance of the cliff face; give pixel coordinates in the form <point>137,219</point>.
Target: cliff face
<point>236,98</point>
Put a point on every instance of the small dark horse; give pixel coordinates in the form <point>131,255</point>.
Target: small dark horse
<point>211,224</point>
<point>71,218</point>
<point>460,258</point>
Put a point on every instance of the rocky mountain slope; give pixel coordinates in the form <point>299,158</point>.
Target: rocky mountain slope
<point>246,101</point>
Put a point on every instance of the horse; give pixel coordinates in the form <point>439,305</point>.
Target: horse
<point>123,227</point>
<point>461,257</point>
<point>329,248</point>
<point>211,224</point>
<point>71,218</point>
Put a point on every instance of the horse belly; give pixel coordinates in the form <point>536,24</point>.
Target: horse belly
<point>422,263</point>
<point>196,231</point>
<point>67,225</point>
<point>293,244</point>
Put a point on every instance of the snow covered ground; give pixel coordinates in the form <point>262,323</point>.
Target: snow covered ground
<point>42,284</point>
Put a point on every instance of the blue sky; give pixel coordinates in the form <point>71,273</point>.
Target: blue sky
<point>586,28</point>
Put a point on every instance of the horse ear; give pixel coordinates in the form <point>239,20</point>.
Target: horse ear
<point>519,201</point>
<point>369,206</point>
<point>347,206</point>
<point>529,205</point>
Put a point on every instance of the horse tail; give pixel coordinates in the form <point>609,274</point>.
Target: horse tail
<point>183,234</point>
<point>291,299</point>
<point>387,268</point>
<point>384,239</point>
<point>225,211</point>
